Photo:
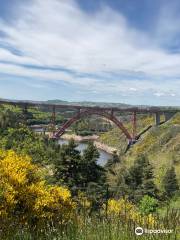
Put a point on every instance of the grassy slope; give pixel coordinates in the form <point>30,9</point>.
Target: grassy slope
<point>161,144</point>
<point>115,137</point>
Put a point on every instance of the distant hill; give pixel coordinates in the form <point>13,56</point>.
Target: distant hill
<point>90,104</point>
<point>56,101</point>
<point>103,104</point>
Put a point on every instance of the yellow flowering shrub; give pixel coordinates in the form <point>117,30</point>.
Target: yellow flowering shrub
<point>24,195</point>
<point>127,211</point>
<point>119,207</point>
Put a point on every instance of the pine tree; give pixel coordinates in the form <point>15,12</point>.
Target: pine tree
<point>170,182</point>
<point>148,186</point>
<point>91,171</point>
<point>79,171</point>
<point>93,176</point>
<point>139,179</point>
<point>113,160</point>
<point>68,165</point>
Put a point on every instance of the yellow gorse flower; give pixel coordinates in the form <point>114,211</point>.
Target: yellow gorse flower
<point>126,210</point>
<point>24,195</point>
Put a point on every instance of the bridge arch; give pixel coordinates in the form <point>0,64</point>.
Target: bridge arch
<point>83,113</point>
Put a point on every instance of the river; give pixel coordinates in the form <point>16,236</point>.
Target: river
<point>103,157</point>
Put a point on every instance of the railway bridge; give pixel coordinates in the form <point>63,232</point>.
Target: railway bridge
<point>106,112</point>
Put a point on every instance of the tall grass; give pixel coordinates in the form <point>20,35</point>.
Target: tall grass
<point>97,227</point>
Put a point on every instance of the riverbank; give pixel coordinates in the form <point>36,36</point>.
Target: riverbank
<point>78,138</point>
<point>93,138</point>
<point>105,147</point>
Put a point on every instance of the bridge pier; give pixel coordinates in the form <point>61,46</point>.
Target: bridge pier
<point>53,119</point>
<point>157,118</point>
<point>134,125</point>
<point>132,141</point>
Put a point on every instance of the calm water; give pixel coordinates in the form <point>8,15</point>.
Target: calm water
<point>103,158</point>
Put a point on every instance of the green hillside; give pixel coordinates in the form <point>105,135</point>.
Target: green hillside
<point>161,144</point>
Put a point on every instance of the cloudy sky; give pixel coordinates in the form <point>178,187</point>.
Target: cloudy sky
<point>93,50</point>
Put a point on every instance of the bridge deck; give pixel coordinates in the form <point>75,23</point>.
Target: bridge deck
<point>78,107</point>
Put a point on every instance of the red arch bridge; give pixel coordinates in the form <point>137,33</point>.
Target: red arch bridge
<point>106,112</point>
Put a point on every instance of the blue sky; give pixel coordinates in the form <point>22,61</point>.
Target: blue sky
<point>91,50</point>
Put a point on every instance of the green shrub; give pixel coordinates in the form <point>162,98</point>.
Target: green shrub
<point>148,205</point>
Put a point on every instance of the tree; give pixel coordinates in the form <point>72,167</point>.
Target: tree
<point>8,118</point>
<point>113,160</point>
<point>68,165</point>
<point>93,176</point>
<point>139,179</point>
<point>25,141</point>
<point>81,172</point>
<point>148,186</point>
<point>76,170</point>
<point>91,171</point>
<point>170,182</point>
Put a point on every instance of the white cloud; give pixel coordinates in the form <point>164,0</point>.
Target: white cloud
<point>44,75</point>
<point>52,33</point>
<point>164,94</point>
<point>159,94</point>
<point>133,89</point>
